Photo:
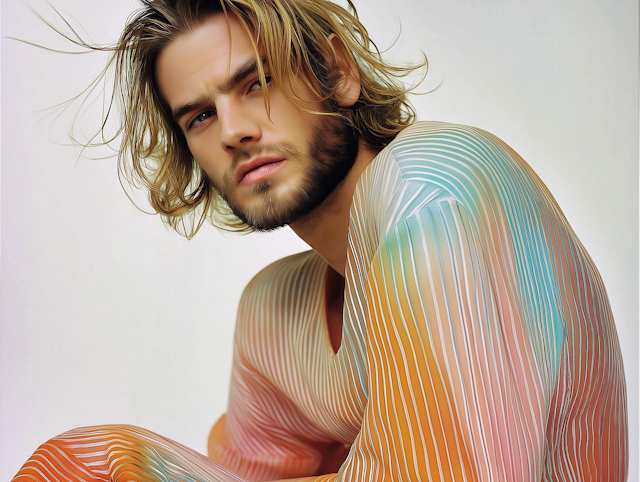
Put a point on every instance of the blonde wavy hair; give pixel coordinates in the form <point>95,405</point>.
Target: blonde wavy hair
<point>292,35</point>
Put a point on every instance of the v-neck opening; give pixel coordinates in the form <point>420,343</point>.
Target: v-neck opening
<point>330,330</point>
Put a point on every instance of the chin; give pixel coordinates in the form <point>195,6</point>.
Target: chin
<point>274,210</point>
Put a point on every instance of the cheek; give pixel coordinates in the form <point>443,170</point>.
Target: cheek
<point>291,121</point>
<point>208,155</point>
<point>296,127</point>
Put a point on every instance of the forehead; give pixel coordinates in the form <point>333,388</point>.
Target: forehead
<point>201,59</point>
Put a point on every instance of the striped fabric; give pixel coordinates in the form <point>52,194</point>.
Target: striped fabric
<point>478,344</point>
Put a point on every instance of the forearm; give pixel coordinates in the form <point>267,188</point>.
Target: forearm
<point>333,455</point>
<point>117,452</point>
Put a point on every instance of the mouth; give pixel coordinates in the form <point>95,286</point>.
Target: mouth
<point>258,169</point>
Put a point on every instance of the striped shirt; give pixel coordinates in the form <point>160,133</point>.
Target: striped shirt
<point>478,343</point>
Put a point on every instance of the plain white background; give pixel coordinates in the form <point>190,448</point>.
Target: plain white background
<point>108,317</point>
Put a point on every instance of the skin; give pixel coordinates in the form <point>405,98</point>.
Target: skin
<point>229,127</point>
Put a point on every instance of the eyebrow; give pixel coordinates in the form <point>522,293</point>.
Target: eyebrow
<point>227,86</point>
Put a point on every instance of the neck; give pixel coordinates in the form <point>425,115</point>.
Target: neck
<point>326,228</point>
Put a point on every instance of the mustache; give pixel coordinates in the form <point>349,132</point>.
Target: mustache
<point>284,149</point>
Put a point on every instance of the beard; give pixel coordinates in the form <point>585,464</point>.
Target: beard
<point>332,151</point>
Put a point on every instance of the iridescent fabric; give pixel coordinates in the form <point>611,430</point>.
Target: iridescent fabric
<point>478,344</point>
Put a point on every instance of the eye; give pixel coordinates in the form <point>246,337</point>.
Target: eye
<point>257,85</point>
<point>200,118</point>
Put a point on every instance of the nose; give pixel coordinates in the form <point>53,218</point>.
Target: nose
<point>238,128</point>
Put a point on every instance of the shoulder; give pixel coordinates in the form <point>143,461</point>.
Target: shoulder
<point>283,272</point>
<point>443,155</point>
<point>445,135</point>
<point>430,163</point>
<point>433,161</point>
<point>427,150</point>
<point>426,163</point>
<point>287,285</point>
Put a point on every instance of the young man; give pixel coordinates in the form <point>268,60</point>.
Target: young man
<point>448,325</point>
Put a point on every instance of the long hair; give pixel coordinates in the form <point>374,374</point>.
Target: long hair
<point>292,35</point>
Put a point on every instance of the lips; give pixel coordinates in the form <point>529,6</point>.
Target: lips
<point>257,169</point>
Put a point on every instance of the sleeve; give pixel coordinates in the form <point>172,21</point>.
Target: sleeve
<point>453,393</point>
<point>265,437</point>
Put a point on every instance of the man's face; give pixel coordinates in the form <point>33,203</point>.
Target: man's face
<point>271,169</point>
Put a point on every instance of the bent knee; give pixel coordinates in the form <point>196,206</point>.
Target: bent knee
<point>84,453</point>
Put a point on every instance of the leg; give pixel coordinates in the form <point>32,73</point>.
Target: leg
<point>119,453</point>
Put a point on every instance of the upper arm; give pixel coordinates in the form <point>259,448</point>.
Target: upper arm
<point>453,390</point>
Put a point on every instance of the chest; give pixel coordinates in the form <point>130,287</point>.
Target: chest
<point>322,373</point>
